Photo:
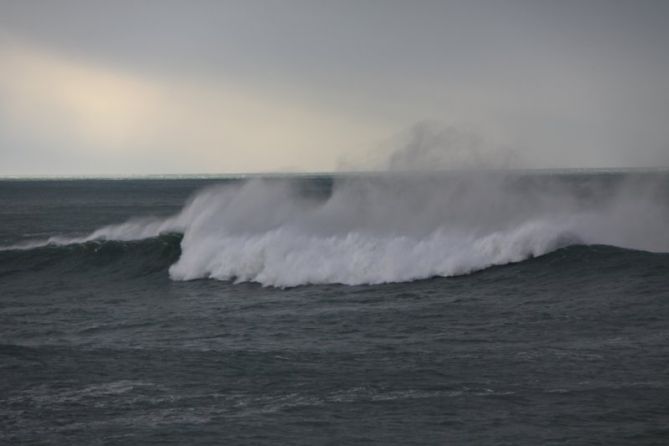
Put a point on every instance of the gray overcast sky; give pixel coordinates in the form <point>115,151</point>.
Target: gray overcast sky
<point>159,86</point>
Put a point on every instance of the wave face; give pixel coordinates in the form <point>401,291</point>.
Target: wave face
<point>127,259</point>
<point>371,230</point>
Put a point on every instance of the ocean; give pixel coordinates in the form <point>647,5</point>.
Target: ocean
<point>465,308</point>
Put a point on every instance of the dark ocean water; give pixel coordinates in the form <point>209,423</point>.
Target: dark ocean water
<point>530,310</point>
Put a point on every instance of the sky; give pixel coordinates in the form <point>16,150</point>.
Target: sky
<point>152,87</point>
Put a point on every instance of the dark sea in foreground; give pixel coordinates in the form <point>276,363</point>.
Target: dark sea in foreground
<point>470,309</point>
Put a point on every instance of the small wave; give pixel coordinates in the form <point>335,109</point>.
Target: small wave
<point>392,229</point>
<point>135,257</point>
<point>132,230</point>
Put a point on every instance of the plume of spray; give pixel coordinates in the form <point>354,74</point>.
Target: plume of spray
<point>428,146</point>
<point>390,228</point>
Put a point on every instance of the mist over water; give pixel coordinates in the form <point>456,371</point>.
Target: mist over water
<point>434,146</point>
<point>393,228</point>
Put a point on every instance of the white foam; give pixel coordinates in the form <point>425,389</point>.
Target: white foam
<point>393,230</point>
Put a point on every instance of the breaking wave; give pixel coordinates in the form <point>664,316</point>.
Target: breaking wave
<point>371,230</point>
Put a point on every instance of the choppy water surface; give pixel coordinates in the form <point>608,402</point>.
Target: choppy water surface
<point>390,310</point>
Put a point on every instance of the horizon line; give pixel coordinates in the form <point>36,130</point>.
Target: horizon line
<point>244,175</point>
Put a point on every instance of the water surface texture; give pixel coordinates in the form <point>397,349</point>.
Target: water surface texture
<point>477,308</point>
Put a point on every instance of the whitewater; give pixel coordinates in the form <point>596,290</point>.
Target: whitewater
<point>394,228</point>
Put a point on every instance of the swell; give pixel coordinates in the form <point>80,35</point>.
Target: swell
<point>130,258</point>
<point>371,230</point>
